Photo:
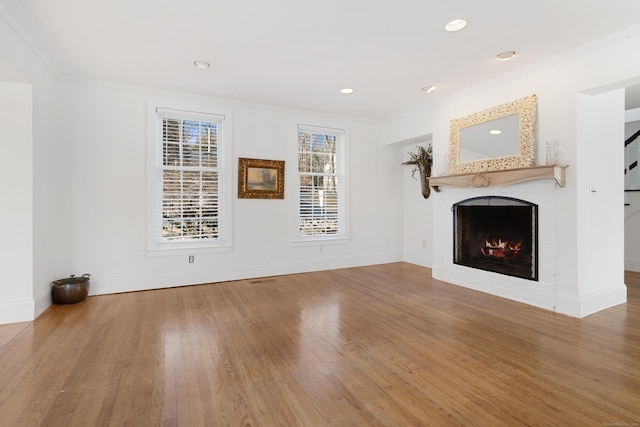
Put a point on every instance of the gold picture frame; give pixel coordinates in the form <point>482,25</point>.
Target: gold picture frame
<point>525,108</point>
<point>260,179</point>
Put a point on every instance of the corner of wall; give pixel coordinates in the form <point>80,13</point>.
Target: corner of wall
<point>42,301</point>
<point>632,264</point>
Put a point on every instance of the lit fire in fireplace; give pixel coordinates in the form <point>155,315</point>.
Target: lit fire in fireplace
<point>500,249</point>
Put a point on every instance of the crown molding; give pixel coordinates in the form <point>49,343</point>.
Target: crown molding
<point>198,97</point>
<point>580,50</point>
<point>40,56</point>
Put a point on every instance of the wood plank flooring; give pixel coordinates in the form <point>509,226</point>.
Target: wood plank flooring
<point>382,345</point>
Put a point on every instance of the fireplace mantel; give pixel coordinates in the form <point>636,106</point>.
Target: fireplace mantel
<point>504,177</point>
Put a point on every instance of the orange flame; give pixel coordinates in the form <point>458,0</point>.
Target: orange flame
<point>497,249</point>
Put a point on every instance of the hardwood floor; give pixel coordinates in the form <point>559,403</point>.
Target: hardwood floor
<point>373,346</point>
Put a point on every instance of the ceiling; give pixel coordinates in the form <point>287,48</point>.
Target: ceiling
<point>300,53</point>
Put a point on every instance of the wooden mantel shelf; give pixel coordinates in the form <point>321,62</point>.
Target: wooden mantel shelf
<point>504,177</point>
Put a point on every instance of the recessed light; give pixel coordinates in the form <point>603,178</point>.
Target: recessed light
<point>429,89</point>
<point>346,91</point>
<point>203,65</point>
<point>505,56</point>
<point>455,25</point>
<point>495,132</point>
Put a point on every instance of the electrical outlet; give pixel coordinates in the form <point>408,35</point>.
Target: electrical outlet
<point>191,259</point>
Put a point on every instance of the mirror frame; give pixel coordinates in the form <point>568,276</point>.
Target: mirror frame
<point>526,107</point>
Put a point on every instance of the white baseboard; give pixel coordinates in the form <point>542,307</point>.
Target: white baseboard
<point>632,264</point>
<point>580,307</point>
<point>16,311</point>
<point>111,284</point>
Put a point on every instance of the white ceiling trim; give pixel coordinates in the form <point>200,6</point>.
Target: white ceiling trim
<point>48,64</point>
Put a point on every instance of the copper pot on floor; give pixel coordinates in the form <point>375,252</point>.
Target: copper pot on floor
<point>70,290</point>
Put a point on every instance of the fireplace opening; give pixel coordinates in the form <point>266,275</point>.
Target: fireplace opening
<point>498,234</point>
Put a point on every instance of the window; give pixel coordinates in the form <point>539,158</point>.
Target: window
<point>189,207</point>
<point>321,183</point>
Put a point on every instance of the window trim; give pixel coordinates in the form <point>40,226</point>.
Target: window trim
<point>154,245</point>
<point>334,128</point>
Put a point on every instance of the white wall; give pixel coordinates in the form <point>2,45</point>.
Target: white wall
<point>16,191</point>
<point>417,217</point>
<point>600,202</point>
<point>105,126</point>
<point>417,212</point>
<point>557,84</point>
<point>43,163</point>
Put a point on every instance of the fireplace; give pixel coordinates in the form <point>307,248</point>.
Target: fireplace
<point>498,234</point>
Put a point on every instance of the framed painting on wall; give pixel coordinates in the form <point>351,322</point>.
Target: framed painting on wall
<point>260,179</point>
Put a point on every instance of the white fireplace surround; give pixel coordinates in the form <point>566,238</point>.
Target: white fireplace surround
<point>541,293</point>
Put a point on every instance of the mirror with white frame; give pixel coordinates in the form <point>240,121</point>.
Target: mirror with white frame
<point>499,138</point>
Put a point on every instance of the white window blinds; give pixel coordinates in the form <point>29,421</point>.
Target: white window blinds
<point>321,174</point>
<point>190,174</point>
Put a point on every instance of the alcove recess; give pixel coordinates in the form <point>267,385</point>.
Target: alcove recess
<point>502,177</point>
